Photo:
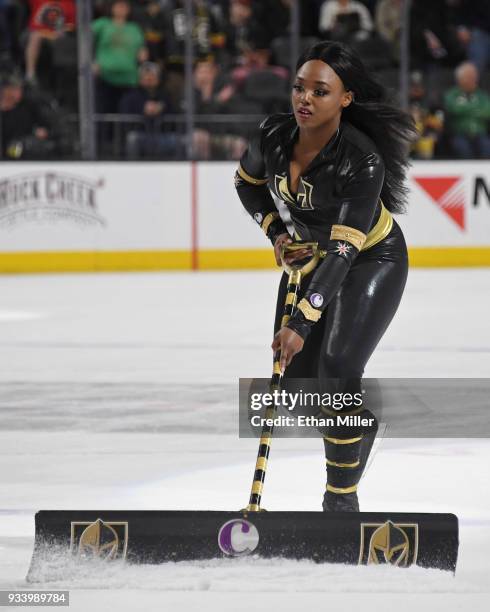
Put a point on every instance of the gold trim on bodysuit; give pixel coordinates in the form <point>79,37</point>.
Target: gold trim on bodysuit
<point>270,218</point>
<point>379,232</point>
<point>382,228</point>
<point>348,234</point>
<point>358,239</point>
<point>342,490</point>
<point>310,313</point>
<point>250,179</point>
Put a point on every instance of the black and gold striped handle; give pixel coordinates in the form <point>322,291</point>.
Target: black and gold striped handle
<point>295,272</point>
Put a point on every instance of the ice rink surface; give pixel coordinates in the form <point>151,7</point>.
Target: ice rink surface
<point>120,391</point>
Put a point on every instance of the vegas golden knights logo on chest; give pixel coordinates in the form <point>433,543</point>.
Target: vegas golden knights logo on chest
<point>303,197</point>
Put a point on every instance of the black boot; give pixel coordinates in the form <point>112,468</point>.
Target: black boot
<point>345,466</point>
<point>337,502</point>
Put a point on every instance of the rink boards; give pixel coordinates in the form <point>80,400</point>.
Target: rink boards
<point>68,216</point>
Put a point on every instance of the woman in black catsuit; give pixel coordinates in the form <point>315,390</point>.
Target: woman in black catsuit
<point>338,163</point>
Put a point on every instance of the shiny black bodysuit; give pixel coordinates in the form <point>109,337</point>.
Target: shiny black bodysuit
<point>348,301</point>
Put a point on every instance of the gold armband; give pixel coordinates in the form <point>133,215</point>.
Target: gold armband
<point>348,234</point>
<point>270,218</point>
<point>250,179</point>
<point>310,313</point>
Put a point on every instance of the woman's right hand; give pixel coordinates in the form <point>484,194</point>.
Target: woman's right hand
<point>290,257</point>
<point>280,240</point>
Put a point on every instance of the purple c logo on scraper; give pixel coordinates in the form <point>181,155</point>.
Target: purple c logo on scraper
<point>238,537</point>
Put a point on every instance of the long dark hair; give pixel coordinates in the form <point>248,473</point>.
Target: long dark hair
<point>371,111</point>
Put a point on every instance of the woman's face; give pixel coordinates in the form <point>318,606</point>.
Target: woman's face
<point>120,10</point>
<point>318,95</point>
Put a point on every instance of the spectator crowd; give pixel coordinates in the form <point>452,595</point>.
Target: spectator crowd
<point>242,67</point>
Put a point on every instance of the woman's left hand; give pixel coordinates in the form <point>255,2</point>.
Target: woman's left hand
<point>289,343</point>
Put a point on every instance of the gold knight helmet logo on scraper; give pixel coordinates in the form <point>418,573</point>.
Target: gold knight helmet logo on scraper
<point>389,544</point>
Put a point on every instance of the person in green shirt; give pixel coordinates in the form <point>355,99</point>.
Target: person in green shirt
<point>119,47</point>
<point>468,114</point>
